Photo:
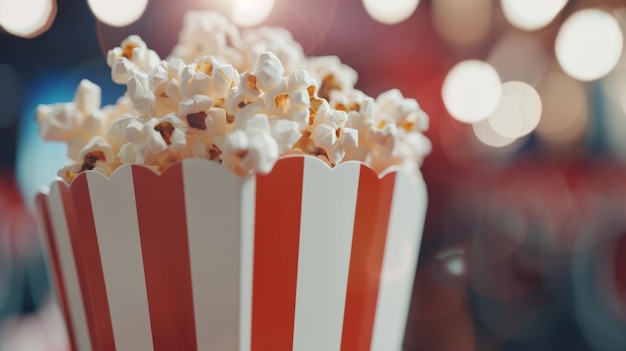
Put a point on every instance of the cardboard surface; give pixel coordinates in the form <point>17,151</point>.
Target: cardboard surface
<point>198,258</point>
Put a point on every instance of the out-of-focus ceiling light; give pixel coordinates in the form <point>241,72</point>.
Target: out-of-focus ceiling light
<point>589,44</point>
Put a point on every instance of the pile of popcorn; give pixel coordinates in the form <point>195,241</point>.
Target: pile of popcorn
<point>239,98</point>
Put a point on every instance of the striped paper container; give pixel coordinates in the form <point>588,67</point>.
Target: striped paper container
<point>198,258</point>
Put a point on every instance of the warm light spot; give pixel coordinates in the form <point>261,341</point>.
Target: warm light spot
<point>118,13</point>
<point>518,112</point>
<point>520,56</point>
<point>563,100</point>
<point>564,109</point>
<point>485,133</point>
<point>471,91</point>
<point>27,18</point>
<point>462,22</point>
<point>390,11</point>
<point>589,44</point>
<point>531,14</point>
<point>247,13</point>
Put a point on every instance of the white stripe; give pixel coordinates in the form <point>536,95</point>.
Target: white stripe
<point>117,229</point>
<point>248,206</point>
<point>213,205</point>
<point>404,233</point>
<point>46,247</point>
<point>327,221</point>
<point>68,268</point>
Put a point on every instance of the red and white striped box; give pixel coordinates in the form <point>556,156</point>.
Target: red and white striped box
<point>198,258</point>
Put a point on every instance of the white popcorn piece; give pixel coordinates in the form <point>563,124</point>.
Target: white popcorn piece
<point>224,76</point>
<point>235,143</point>
<point>274,39</point>
<point>140,94</point>
<point>318,113</point>
<point>252,146</point>
<point>164,82</point>
<point>195,104</point>
<point>237,104</point>
<point>122,70</point>
<point>205,33</point>
<point>406,112</point>
<point>324,136</point>
<point>257,122</point>
<point>216,122</point>
<point>97,149</point>
<point>194,82</point>
<point>332,74</point>
<point>70,170</point>
<point>75,144</point>
<point>334,141</point>
<point>262,153</point>
<point>268,71</point>
<point>58,122</point>
<point>165,134</point>
<point>349,138</point>
<point>248,87</point>
<point>299,105</point>
<point>128,154</point>
<point>132,129</point>
<point>286,133</point>
<point>132,55</point>
<point>95,123</point>
<point>277,100</point>
<point>301,79</point>
<point>87,97</point>
<point>385,138</point>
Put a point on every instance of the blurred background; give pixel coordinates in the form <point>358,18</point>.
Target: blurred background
<point>525,240</point>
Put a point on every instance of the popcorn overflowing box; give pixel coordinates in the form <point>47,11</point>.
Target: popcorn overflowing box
<point>274,209</point>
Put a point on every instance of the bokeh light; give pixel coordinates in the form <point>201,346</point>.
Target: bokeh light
<point>462,22</point>
<point>390,11</point>
<point>531,14</point>
<point>249,13</point>
<point>519,56</point>
<point>118,13</point>
<point>564,109</point>
<point>518,112</point>
<point>471,91</point>
<point>485,133</point>
<point>27,18</point>
<point>589,44</point>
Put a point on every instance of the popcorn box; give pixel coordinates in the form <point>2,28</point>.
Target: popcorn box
<point>198,258</point>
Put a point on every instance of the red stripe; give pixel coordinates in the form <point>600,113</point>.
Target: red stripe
<point>55,266</point>
<point>82,230</point>
<point>277,230</point>
<point>366,261</point>
<point>165,249</point>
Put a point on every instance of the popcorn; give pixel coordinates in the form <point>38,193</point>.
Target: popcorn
<point>251,146</point>
<point>268,71</point>
<point>276,40</point>
<point>141,95</point>
<point>133,55</point>
<point>332,74</point>
<point>208,33</point>
<point>242,101</point>
<point>78,121</point>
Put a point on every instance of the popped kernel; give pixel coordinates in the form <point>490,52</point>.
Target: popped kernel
<point>240,100</point>
<point>132,55</point>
